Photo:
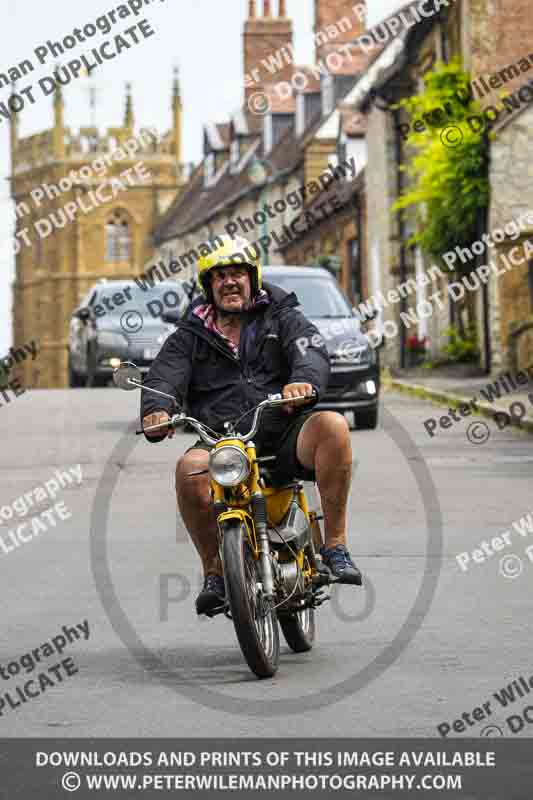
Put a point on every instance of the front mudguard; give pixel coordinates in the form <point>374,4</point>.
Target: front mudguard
<point>227,518</point>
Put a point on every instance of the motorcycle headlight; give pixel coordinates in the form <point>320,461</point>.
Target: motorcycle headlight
<point>229,466</point>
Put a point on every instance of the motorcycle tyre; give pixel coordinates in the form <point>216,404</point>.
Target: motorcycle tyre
<point>237,555</point>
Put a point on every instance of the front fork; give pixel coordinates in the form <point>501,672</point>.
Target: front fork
<point>259,513</point>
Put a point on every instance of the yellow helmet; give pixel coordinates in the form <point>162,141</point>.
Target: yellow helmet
<point>226,252</point>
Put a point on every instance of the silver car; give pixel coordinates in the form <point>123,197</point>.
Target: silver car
<point>354,383</point>
<point>121,321</point>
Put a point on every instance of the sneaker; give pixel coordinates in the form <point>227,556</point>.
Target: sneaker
<point>212,595</point>
<point>339,562</point>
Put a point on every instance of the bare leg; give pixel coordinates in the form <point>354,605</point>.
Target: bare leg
<point>324,445</point>
<point>196,509</point>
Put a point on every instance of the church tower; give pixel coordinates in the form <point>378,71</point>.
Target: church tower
<point>75,223</point>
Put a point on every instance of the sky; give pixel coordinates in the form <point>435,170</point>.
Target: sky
<point>203,38</point>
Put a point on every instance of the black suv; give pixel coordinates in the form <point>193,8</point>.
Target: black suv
<point>120,321</point>
<point>355,375</point>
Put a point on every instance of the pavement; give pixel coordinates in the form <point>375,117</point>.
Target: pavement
<point>423,643</point>
<point>498,395</point>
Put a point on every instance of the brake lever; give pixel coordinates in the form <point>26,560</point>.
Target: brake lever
<point>156,427</point>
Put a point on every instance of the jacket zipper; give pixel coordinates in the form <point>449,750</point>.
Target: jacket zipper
<point>210,341</point>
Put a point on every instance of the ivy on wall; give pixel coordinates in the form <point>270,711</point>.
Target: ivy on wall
<point>448,172</point>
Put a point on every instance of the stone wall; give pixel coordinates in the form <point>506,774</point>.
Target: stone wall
<point>381,228</point>
<point>511,178</point>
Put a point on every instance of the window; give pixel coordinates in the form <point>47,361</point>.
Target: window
<point>268,134</point>
<point>444,43</point>
<point>235,153</point>
<point>328,94</point>
<point>342,149</point>
<point>320,298</point>
<point>209,169</point>
<point>355,269</point>
<point>300,114</point>
<point>118,238</point>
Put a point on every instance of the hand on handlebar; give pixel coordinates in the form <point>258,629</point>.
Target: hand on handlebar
<point>297,390</point>
<point>157,418</point>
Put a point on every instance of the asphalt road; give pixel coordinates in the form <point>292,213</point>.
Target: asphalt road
<point>424,643</point>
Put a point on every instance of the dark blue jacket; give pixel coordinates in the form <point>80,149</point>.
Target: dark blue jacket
<point>199,369</point>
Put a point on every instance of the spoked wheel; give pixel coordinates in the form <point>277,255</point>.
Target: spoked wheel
<point>299,629</point>
<point>255,622</point>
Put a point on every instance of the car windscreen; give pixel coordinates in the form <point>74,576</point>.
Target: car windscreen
<point>318,297</point>
<point>170,296</point>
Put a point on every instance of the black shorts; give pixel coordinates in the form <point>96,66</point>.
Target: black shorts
<point>286,467</point>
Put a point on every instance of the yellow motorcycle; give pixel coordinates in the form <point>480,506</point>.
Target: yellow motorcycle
<point>268,538</point>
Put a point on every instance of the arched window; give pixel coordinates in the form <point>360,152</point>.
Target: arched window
<point>118,238</point>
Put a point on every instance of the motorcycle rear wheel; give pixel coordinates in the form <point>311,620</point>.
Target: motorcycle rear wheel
<point>256,624</point>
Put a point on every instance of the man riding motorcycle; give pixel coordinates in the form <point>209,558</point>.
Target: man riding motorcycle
<point>236,345</point>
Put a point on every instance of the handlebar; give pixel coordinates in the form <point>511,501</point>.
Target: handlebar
<point>270,402</point>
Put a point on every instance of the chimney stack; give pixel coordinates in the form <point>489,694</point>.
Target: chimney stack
<point>268,48</point>
<point>331,13</point>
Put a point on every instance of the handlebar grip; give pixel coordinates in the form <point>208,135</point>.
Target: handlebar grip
<point>300,401</point>
<point>161,426</point>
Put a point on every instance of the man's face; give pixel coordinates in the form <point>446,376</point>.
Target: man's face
<point>231,288</point>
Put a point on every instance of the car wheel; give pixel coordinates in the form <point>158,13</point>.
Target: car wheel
<point>75,380</point>
<point>366,420</point>
<point>93,379</point>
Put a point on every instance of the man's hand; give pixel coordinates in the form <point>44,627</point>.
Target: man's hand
<point>157,418</point>
<point>296,390</point>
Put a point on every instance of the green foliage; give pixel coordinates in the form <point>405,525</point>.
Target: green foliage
<point>449,184</point>
<point>461,349</point>
<point>331,263</point>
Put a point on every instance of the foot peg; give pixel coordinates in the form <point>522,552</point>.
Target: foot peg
<point>213,612</point>
<point>320,597</point>
<point>322,576</point>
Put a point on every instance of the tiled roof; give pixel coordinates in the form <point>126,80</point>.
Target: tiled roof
<point>183,207</point>
<point>343,191</point>
<point>198,205</point>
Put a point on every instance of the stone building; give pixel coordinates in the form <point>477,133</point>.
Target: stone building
<point>491,41</point>
<point>105,231</point>
<point>337,242</point>
<point>511,294</point>
<point>256,165</point>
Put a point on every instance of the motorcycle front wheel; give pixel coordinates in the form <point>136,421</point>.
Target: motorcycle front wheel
<point>255,621</point>
<point>299,629</point>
